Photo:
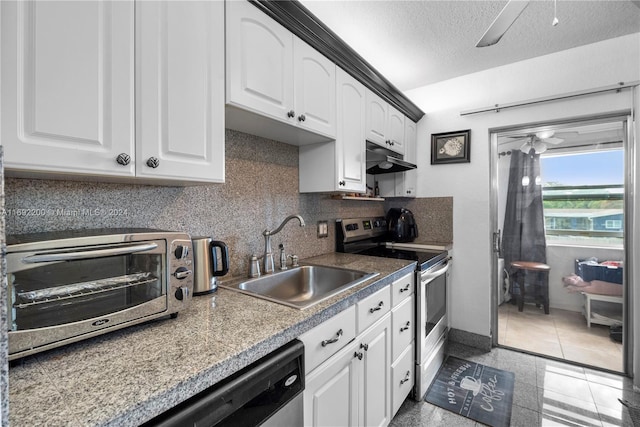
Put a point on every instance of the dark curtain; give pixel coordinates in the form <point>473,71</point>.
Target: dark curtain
<point>523,232</point>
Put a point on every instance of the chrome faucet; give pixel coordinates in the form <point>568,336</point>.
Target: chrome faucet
<point>268,255</point>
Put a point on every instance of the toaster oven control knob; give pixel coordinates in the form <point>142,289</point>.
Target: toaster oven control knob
<point>182,273</point>
<point>181,252</point>
<point>182,293</point>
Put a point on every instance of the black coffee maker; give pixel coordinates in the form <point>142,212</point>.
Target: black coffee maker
<point>401,225</point>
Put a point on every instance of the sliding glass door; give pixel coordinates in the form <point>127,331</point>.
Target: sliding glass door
<point>560,212</point>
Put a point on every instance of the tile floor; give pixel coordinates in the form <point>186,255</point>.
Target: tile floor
<point>546,393</point>
<point>562,334</point>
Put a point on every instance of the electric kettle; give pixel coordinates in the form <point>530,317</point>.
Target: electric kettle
<point>205,258</point>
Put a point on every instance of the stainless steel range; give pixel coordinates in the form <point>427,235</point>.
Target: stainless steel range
<point>368,236</point>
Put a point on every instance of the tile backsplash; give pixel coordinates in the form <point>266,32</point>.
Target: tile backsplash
<point>261,189</point>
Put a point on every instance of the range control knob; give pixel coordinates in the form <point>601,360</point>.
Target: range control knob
<point>181,252</point>
<point>182,293</point>
<point>182,273</point>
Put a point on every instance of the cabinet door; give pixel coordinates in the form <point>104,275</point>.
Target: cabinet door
<point>403,321</point>
<point>376,383</point>
<point>376,119</point>
<point>402,378</point>
<point>331,391</point>
<point>350,150</point>
<point>407,181</point>
<point>395,132</point>
<point>259,62</point>
<point>314,89</point>
<point>180,90</point>
<point>67,86</point>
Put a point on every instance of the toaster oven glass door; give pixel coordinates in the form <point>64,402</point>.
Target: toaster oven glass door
<point>57,288</point>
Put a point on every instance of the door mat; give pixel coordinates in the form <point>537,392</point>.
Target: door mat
<point>475,391</point>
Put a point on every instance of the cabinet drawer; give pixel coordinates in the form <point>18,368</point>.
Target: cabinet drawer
<point>402,378</point>
<point>402,288</point>
<point>334,333</point>
<point>403,322</point>
<point>373,307</point>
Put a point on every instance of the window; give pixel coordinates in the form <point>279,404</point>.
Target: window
<point>583,197</point>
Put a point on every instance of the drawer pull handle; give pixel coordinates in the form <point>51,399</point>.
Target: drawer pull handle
<point>406,378</point>
<point>332,340</point>
<point>358,355</point>
<point>406,288</point>
<point>364,346</point>
<point>378,307</point>
<point>405,327</point>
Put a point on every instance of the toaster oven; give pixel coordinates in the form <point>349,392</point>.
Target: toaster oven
<point>67,286</point>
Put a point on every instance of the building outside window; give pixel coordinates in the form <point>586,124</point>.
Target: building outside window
<point>583,197</point>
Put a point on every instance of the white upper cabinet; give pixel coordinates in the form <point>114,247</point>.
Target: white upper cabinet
<point>339,165</point>
<point>409,179</point>
<point>275,75</point>
<point>402,184</point>
<point>67,87</point>
<point>351,144</point>
<point>180,90</point>
<point>385,124</point>
<point>315,89</point>
<point>259,61</point>
<point>396,130</point>
<point>377,110</point>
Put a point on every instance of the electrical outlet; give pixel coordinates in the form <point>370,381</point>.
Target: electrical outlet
<point>323,229</point>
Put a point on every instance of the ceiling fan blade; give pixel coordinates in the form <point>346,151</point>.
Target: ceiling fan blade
<point>553,140</point>
<point>503,21</point>
<point>521,139</point>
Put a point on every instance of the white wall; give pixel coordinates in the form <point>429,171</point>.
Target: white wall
<point>582,68</point>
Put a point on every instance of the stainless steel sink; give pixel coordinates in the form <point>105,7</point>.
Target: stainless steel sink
<point>302,287</point>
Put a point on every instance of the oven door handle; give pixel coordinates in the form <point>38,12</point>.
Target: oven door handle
<point>429,275</point>
<point>96,253</point>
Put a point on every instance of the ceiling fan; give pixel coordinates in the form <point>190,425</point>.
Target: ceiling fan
<point>508,16</point>
<point>538,141</point>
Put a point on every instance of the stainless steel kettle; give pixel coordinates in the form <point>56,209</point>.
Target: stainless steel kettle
<point>205,259</point>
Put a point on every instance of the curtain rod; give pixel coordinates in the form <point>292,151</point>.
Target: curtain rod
<point>497,107</point>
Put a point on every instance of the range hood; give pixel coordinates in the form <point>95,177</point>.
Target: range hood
<point>381,160</point>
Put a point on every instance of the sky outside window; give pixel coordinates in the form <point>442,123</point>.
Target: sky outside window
<point>598,168</point>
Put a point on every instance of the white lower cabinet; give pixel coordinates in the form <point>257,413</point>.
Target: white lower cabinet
<point>375,400</point>
<point>402,377</point>
<point>351,387</point>
<point>331,391</point>
<point>402,340</point>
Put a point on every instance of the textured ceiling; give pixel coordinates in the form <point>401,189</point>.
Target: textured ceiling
<point>416,43</point>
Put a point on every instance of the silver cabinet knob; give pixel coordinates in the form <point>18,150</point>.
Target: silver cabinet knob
<point>123,159</point>
<point>153,162</point>
<point>301,118</point>
<point>291,113</point>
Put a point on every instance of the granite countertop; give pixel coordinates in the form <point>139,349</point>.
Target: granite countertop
<point>127,377</point>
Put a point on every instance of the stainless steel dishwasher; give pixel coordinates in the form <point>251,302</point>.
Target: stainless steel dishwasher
<point>265,393</point>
